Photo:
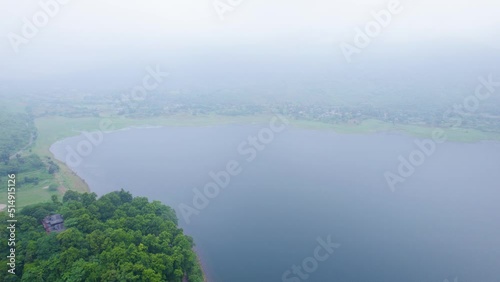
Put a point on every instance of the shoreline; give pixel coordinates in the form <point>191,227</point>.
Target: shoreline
<point>369,126</point>
<point>55,129</point>
<point>69,179</point>
<point>200,258</point>
<point>67,175</point>
<point>64,166</point>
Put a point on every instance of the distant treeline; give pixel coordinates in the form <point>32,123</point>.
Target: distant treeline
<point>414,111</point>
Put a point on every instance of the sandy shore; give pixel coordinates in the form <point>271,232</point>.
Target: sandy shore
<point>206,276</point>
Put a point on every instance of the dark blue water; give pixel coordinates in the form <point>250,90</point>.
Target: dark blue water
<point>304,186</point>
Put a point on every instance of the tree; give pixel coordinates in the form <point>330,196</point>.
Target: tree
<point>53,187</point>
<point>54,199</point>
<point>71,195</point>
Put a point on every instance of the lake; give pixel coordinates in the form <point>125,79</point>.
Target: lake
<point>310,205</point>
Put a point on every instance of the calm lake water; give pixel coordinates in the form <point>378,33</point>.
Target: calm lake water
<point>442,223</point>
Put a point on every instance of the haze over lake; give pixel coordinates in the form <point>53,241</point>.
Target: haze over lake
<point>442,223</point>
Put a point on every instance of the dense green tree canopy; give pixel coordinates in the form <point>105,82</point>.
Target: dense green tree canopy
<point>114,238</point>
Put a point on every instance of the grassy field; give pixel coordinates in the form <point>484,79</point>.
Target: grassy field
<point>461,135</point>
<point>27,194</point>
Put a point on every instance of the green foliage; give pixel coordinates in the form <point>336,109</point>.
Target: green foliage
<point>33,170</point>
<point>53,187</point>
<point>114,238</point>
<point>53,167</point>
<point>22,165</point>
<point>16,133</point>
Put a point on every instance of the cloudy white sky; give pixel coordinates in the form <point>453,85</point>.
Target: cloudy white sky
<point>90,32</point>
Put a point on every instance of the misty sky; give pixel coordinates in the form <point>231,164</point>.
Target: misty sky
<point>125,33</point>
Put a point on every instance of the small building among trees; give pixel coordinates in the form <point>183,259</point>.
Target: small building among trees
<point>53,223</point>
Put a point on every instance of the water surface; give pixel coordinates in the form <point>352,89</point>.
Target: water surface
<point>442,223</point>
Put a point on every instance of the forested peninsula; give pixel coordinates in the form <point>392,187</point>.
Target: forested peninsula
<point>116,237</point>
